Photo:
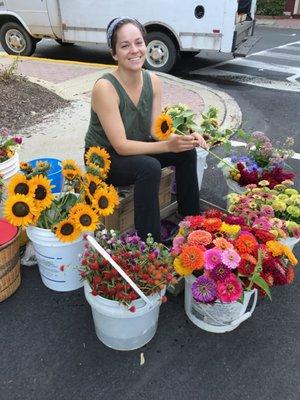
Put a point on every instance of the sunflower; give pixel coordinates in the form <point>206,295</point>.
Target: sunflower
<point>91,183</point>
<point>76,209</point>
<point>85,219</point>
<point>105,201</point>
<point>20,185</point>
<point>95,170</point>
<point>163,127</point>
<point>42,195</point>
<point>100,157</point>
<point>69,164</point>
<point>67,231</point>
<point>25,166</point>
<point>71,174</point>
<point>19,210</point>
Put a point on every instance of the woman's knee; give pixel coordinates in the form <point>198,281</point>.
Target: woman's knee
<point>150,169</point>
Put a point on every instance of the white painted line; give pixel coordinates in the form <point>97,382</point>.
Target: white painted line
<point>280,56</point>
<point>266,66</point>
<point>272,48</point>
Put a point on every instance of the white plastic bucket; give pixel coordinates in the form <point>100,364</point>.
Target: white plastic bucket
<point>8,169</point>
<point>290,242</point>
<point>58,262</point>
<point>234,187</point>
<point>119,328</point>
<point>217,317</point>
<point>201,164</point>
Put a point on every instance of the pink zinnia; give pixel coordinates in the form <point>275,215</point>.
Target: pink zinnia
<point>230,258</point>
<point>230,289</point>
<point>267,211</point>
<point>212,258</point>
<point>177,245</point>
<point>262,223</point>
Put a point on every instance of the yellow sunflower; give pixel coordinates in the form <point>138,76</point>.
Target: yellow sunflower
<point>69,164</point>
<point>20,185</point>
<point>85,219</point>
<point>163,127</point>
<point>98,156</point>
<point>43,196</point>
<point>25,166</point>
<point>67,231</point>
<point>76,209</point>
<point>91,183</point>
<point>104,202</point>
<point>71,174</point>
<point>20,210</point>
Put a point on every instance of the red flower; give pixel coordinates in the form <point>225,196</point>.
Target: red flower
<point>213,213</point>
<point>195,221</point>
<point>263,235</point>
<point>212,224</point>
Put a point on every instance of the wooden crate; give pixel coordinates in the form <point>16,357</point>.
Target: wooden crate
<point>123,217</point>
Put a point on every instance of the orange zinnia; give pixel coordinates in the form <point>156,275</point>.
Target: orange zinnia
<point>246,243</point>
<point>222,244</point>
<point>192,257</point>
<point>212,224</point>
<point>199,237</point>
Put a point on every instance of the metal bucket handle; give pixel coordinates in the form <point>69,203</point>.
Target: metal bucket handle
<point>104,254</point>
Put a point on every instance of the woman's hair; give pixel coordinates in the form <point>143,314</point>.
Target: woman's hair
<point>115,25</point>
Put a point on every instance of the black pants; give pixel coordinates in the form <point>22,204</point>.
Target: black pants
<point>144,172</point>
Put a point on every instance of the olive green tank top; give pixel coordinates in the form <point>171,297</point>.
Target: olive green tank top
<point>136,119</point>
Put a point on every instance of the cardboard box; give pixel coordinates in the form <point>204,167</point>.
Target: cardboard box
<point>123,217</point>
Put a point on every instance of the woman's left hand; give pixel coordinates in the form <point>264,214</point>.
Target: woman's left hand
<point>200,140</point>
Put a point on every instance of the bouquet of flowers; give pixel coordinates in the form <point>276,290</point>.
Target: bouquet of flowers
<point>227,257</point>
<point>148,264</point>
<point>275,210</point>
<point>83,200</point>
<point>180,119</point>
<point>9,143</point>
<point>262,161</point>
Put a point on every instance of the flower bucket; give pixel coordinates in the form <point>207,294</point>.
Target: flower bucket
<point>10,276</point>
<point>201,164</point>
<point>119,328</point>
<point>116,326</point>
<point>8,169</point>
<point>54,174</point>
<point>58,262</point>
<point>234,187</point>
<point>217,317</point>
<point>290,242</point>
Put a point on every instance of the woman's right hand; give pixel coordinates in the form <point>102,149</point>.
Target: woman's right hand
<point>179,143</point>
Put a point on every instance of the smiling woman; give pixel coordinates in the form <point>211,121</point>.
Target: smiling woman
<point>124,105</point>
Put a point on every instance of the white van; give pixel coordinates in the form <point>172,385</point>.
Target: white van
<point>174,27</point>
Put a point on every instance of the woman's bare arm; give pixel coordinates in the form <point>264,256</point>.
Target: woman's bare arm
<point>105,102</point>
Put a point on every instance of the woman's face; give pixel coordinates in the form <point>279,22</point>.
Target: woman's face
<point>130,47</point>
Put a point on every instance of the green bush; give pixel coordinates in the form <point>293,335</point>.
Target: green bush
<point>270,7</point>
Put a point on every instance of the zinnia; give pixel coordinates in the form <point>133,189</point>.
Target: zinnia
<point>230,289</point>
<point>204,289</point>
<point>192,257</point>
<point>230,258</point>
<point>212,258</point>
<point>246,243</point>
<point>199,237</point>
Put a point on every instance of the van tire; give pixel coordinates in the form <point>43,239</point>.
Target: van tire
<point>161,53</point>
<point>16,40</point>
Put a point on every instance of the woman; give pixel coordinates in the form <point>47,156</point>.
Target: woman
<point>124,105</point>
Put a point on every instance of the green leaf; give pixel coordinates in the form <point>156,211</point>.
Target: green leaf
<point>259,281</point>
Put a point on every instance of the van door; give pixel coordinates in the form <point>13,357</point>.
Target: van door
<point>34,13</point>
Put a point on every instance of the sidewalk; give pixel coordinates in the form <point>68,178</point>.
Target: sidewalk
<point>276,22</point>
<point>62,133</point>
